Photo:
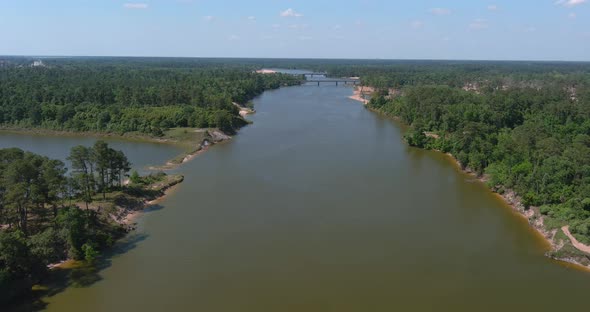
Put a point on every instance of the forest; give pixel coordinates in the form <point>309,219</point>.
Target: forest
<point>526,127</point>
<point>121,95</point>
<point>47,214</point>
<point>44,214</point>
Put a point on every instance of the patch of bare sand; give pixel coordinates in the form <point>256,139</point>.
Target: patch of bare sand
<point>359,94</point>
<point>575,242</point>
<point>266,71</point>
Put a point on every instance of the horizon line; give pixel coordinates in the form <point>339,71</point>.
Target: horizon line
<point>296,58</point>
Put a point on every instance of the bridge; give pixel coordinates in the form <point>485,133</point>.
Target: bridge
<point>337,81</point>
<point>311,74</point>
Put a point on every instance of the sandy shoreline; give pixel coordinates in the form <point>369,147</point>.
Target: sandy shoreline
<point>575,242</point>
<point>244,111</point>
<point>532,215</point>
<point>266,71</point>
<point>128,221</point>
<point>359,94</point>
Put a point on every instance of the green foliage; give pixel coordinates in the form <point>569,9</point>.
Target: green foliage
<point>48,245</point>
<point>134,178</point>
<point>98,168</point>
<point>528,130</point>
<point>19,268</point>
<point>123,95</point>
<point>90,253</point>
<point>149,179</point>
<point>36,227</point>
<point>72,222</point>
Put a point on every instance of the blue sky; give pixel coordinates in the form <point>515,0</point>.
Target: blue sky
<point>428,29</point>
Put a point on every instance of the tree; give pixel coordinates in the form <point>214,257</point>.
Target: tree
<point>102,156</point>
<point>19,269</point>
<point>82,159</point>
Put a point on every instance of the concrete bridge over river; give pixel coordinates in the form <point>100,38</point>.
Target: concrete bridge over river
<point>324,79</point>
<point>334,80</point>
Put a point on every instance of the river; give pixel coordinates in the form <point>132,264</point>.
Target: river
<point>320,206</point>
<point>141,154</point>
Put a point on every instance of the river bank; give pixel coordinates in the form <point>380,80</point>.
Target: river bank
<point>562,246</point>
<point>361,93</point>
<point>117,212</point>
<point>122,208</point>
<point>193,141</point>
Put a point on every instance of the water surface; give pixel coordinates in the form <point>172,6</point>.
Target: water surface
<point>320,206</point>
<point>141,154</point>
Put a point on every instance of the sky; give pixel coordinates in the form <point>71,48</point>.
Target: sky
<point>367,29</point>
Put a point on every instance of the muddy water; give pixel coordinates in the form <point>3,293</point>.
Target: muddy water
<point>319,206</point>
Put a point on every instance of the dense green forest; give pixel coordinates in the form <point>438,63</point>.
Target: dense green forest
<point>120,95</point>
<point>526,126</point>
<point>44,214</point>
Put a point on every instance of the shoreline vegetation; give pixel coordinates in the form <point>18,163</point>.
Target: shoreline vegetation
<point>122,207</point>
<point>174,101</point>
<point>53,218</point>
<point>360,93</point>
<point>119,209</point>
<point>192,140</point>
<point>195,105</point>
<point>563,246</point>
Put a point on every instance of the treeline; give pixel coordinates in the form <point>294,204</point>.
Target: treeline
<point>383,73</point>
<point>127,94</point>
<point>483,75</point>
<point>533,140</point>
<point>40,221</point>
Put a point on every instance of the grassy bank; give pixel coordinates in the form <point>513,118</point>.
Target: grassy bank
<point>191,140</point>
<point>120,206</point>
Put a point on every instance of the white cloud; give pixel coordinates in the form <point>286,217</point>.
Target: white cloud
<point>290,13</point>
<point>233,38</point>
<point>417,24</point>
<point>251,18</point>
<point>208,18</point>
<point>440,11</point>
<point>337,27</point>
<point>570,3</point>
<point>478,24</point>
<point>492,7</point>
<point>135,6</point>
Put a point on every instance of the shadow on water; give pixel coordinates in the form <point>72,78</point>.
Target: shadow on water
<point>79,274</point>
<point>153,208</point>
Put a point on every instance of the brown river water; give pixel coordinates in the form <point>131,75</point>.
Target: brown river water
<point>320,206</point>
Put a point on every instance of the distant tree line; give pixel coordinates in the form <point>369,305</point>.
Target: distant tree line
<point>128,95</point>
<point>40,221</point>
